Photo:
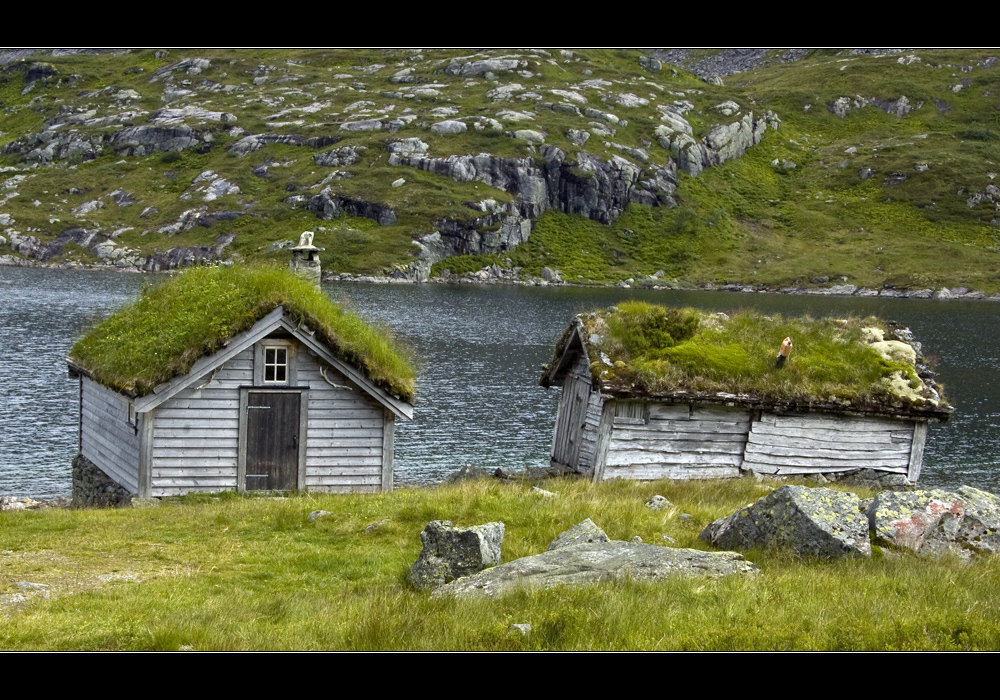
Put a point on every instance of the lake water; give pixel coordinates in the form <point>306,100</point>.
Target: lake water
<point>481,351</point>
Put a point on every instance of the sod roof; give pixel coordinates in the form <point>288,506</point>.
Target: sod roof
<point>836,365</point>
<point>171,325</point>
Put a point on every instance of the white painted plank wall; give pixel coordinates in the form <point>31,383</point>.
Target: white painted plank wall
<point>107,439</point>
<point>196,433</point>
<point>344,438</point>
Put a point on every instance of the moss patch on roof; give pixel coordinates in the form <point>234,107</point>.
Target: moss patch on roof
<point>171,325</point>
<point>867,365</point>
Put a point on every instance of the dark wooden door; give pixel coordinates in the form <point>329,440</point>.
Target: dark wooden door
<point>272,441</point>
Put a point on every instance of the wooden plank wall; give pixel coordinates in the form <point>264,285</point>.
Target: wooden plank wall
<point>677,442</point>
<point>345,435</point>
<point>588,437</point>
<point>805,444</point>
<point>196,433</point>
<point>106,437</point>
<point>572,445</point>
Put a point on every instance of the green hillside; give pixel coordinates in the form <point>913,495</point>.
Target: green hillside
<point>603,165</point>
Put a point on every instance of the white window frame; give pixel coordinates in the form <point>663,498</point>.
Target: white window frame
<point>261,365</point>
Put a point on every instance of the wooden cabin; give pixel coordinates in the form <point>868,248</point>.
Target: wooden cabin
<point>286,403</point>
<point>700,406</point>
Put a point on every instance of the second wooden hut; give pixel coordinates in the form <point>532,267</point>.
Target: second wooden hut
<point>650,392</point>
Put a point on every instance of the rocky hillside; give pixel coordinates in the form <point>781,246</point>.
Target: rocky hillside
<point>804,168</point>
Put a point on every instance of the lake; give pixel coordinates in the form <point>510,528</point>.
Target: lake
<point>480,351</point>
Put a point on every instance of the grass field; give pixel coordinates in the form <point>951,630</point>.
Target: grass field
<point>232,572</point>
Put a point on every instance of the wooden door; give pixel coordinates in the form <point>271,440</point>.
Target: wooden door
<point>272,441</point>
<point>572,416</point>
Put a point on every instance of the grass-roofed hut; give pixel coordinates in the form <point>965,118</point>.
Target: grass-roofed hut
<point>239,378</point>
<point>650,392</point>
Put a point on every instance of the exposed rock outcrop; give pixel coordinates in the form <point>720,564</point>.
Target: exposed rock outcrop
<point>586,532</point>
<point>337,157</point>
<point>584,185</point>
<point>593,562</point>
<point>724,142</point>
<point>899,107</point>
<point>326,205</point>
<point>146,140</point>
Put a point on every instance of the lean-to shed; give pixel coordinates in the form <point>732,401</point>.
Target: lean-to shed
<point>650,392</point>
<point>239,378</point>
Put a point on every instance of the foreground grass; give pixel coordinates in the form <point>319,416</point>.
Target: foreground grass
<point>245,573</point>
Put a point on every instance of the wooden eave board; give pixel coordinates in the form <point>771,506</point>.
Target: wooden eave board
<point>397,406</point>
<point>749,403</point>
<point>574,346</point>
<point>271,322</point>
<point>208,363</point>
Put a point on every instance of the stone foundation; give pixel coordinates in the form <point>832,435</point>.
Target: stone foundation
<point>92,488</point>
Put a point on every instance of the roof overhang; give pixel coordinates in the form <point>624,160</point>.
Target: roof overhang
<point>275,320</point>
<point>570,346</point>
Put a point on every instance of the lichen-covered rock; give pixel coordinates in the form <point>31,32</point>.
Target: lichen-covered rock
<point>935,522</point>
<point>658,503</point>
<point>248,144</point>
<point>594,562</point>
<point>348,155</point>
<point>449,126</point>
<point>452,552</point>
<point>586,531</point>
<point>466,67</point>
<point>811,522</point>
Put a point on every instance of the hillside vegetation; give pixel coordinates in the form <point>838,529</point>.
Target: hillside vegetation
<point>806,168</point>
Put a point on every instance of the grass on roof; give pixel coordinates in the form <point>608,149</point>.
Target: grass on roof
<point>640,348</point>
<point>171,325</point>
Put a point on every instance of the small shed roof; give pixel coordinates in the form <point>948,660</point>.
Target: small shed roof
<point>172,325</point>
<point>837,365</point>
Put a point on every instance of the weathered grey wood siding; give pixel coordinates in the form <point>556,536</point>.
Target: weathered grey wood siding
<point>196,434</point>
<point>573,444</point>
<point>815,442</point>
<point>663,441</point>
<point>106,437</point>
<point>345,433</point>
<point>588,437</point>
<point>196,438</point>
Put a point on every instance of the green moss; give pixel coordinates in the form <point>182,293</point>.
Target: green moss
<point>639,348</point>
<point>171,325</point>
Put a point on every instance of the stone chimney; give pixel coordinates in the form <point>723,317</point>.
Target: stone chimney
<point>305,259</point>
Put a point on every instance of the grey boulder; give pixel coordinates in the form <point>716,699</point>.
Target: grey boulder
<point>451,552</point>
<point>595,562</point>
<point>816,522</point>
<point>965,522</point>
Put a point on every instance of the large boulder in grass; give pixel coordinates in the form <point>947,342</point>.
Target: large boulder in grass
<point>811,522</point>
<point>451,552</point>
<point>593,562</point>
<point>965,522</point>
<point>584,555</point>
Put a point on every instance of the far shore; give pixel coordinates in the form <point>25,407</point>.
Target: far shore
<point>485,277</point>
